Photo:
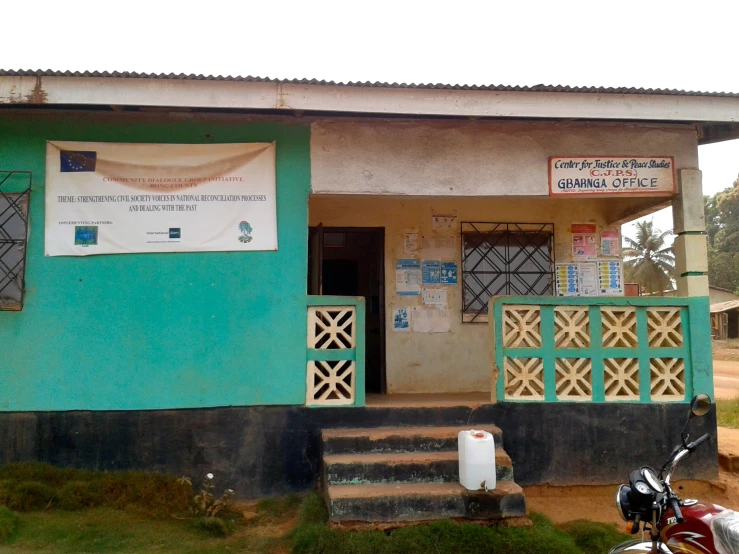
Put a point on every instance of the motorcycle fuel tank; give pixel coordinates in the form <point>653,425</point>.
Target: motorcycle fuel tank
<point>637,547</point>
<point>695,535</point>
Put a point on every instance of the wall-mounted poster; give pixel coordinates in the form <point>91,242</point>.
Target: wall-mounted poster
<point>408,277</point>
<point>410,242</point>
<point>610,244</point>
<point>584,241</point>
<point>610,277</point>
<point>444,222</point>
<point>431,272</point>
<point>433,296</point>
<point>115,198</point>
<point>430,319</point>
<point>401,319</point>
<point>567,280</point>
<point>611,175</point>
<point>587,274</point>
<point>448,273</point>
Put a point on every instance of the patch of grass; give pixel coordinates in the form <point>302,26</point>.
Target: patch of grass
<point>313,510</point>
<point>592,537</point>
<point>215,526</point>
<point>154,494</point>
<point>733,344</point>
<point>441,537</point>
<point>107,531</point>
<point>30,495</point>
<point>279,508</point>
<point>79,495</point>
<point>8,522</point>
<point>727,413</point>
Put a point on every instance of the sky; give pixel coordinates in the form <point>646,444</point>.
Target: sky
<point>646,43</point>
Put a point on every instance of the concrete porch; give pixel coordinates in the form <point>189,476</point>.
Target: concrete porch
<point>427,400</point>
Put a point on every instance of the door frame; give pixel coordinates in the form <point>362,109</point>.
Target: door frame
<point>320,229</point>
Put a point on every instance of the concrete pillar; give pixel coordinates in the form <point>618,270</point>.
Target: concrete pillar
<point>691,251</point>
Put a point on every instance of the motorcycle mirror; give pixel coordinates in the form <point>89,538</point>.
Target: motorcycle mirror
<point>700,405</point>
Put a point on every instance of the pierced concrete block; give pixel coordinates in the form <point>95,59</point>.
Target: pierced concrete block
<point>692,285</point>
<point>687,206</point>
<point>691,254</point>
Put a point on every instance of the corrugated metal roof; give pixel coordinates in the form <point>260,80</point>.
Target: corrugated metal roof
<point>724,306</point>
<point>194,77</point>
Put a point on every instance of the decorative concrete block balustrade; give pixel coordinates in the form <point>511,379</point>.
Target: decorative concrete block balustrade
<point>335,353</point>
<point>601,349</point>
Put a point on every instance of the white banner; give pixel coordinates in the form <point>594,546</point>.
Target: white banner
<point>604,175</point>
<point>114,198</point>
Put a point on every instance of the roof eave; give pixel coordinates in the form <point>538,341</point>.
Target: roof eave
<point>372,100</point>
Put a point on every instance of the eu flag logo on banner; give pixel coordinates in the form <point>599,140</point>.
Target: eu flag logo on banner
<point>75,161</point>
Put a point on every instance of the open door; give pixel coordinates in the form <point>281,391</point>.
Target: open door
<point>315,260</point>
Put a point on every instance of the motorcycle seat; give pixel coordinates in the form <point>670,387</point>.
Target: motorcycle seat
<point>725,529</point>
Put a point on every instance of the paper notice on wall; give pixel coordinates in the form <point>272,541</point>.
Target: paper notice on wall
<point>440,247</point>
<point>610,244</point>
<point>587,276</point>
<point>408,277</point>
<point>401,319</point>
<point>448,273</point>
<point>430,320</point>
<point>568,280</point>
<point>433,297</point>
<point>443,222</point>
<point>610,277</point>
<point>431,272</point>
<point>410,242</point>
<point>584,241</point>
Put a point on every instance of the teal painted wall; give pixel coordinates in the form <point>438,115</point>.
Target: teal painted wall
<point>124,332</point>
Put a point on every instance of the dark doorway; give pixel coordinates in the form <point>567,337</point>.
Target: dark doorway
<point>349,261</point>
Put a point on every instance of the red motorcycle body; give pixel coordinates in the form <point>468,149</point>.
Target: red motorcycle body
<point>694,536</point>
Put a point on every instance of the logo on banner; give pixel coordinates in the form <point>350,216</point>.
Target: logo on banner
<point>86,235</point>
<point>77,161</point>
<point>174,233</point>
<point>246,231</point>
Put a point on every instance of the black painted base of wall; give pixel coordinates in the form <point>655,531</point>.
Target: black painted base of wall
<point>276,449</point>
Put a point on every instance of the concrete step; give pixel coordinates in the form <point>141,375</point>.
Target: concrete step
<point>423,502</point>
<point>399,439</point>
<point>403,467</point>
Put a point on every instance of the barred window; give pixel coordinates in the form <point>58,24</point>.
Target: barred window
<point>504,259</point>
<point>13,236</point>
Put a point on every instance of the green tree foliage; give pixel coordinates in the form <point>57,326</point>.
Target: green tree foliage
<point>648,261</point>
<point>722,225</point>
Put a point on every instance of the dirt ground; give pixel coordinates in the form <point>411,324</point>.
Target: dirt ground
<point>598,503</point>
<point>726,350</point>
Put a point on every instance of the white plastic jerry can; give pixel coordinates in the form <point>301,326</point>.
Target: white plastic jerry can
<point>476,460</point>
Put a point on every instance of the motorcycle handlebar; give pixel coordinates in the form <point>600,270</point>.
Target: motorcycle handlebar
<point>675,505</point>
<point>696,443</point>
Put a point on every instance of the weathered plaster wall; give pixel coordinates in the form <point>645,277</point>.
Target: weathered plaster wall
<point>457,361</point>
<point>422,168</point>
<point>478,158</point>
<point>148,331</point>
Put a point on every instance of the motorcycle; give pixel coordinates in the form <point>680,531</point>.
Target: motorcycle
<point>674,525</point>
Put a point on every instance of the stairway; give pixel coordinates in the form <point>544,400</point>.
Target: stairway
<point>409,474</point>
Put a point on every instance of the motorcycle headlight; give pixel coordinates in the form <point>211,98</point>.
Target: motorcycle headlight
<point>622,502</point>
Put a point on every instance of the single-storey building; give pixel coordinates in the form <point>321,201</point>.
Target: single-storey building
<point>716,295</point>
<point>725,320</point>
<point>724,312</point>
<point>207,273</point>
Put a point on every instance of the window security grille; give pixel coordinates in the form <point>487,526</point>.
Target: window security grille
<point>13,237</point>
<point>504,259</point>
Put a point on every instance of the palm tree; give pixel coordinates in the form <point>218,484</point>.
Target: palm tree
<point>647,260</point>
